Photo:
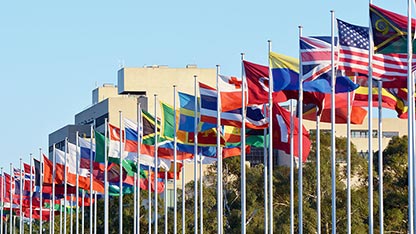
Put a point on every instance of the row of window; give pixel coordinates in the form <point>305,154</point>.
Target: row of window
<point>362,133</point>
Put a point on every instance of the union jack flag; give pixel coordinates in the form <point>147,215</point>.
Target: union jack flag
<point>316,56</point>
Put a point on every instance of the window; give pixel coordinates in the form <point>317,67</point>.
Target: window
<point>362,134</point>
<point>390,134</point>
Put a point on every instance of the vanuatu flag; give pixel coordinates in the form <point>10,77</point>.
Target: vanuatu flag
<point>389,31</point>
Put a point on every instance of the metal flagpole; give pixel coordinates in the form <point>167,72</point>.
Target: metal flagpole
<point>120,200</point>
<point>40,192</point>
<point>370,133</point>
<point>175,168</point>
<point>139,143</point>
<point>77,185</point>
<point>2,199</point>
<point>82,210</point>
<point>300,144</point>
<point>265,171</point>
<point>60,217</point>
<point>91,174</point>
<point>349,163</point>
<point>156,169</point>
<point>165,203</point>
<point>183,196</point>
<point>318,173</point>
<point>95,213</point>
<point>30,196</point>
<point>380,158</point>
<point>135,199</point>
<point>201,200</point>
<point>270,114</point>
<point>66,182</point>
<point>410,119</point>
<point>195,158</point>
<point>219,165</point>
<point>149,186</point>
<point>11,198</point>
<point>243,152</point>
<point>106,195</point>
<point>292,169</point>
<point>71,216</point>
<point>53,190</point>
<point>333,153</point>
<point>21,199</point>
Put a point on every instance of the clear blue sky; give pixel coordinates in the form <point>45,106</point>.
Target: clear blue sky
<point>53,53</point>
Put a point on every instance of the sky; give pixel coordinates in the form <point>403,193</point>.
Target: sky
<point>54,53</point>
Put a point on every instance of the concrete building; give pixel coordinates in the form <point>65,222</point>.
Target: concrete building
<point>135,85</point>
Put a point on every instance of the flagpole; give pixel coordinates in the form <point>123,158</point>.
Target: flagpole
<point>219,165</point>
<point>380,158</point>
<point>11,198</point>
<point>91,175</point>
<point>21,199</point>
<point>149,190</point>
<point>82,210</point>
<point>410,119</point>
<point>120,204</point>
<point>292,168</point>
<point>71,216</point>
<point>243,153</point>
<point>3,184</point>
<point>135,200</point>
<point>53,190</point>
<point>265,171</point>
<point>183,196</point>
<point>370,133</point>
<point>60,216</point>
<point>270,179</point>
<point>106,195</point>
<point>318,173</point>
<point>201,200</point>
<point>66,182</point>
<point>165,199</point>
<point>156,168</point>
<point>349,163</point>
<point>333,149</point>
<point>95,212</point>
<point>175,169</point>
<point>77,185</point>
<point>195,158</point>
<point>41,192</point>
<point>30,197</point>
<point>139,143</point>
<point>300,144</point>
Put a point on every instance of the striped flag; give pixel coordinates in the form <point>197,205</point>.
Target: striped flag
<point>353,57</point>
<point>254,119</point>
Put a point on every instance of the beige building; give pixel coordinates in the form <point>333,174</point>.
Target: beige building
<point>359,133</point>
<point>137,85</point>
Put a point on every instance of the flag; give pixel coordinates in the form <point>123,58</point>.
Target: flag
<point>254,114</point>
<point>257,78</point>
<point>389,31</point>
<point>187,114</point>
<point>147,152</point>
<point>281,133</point>
<point>285,69</point>
<point>353,57</point>
<point>357,113</point>
<point>231,88</point>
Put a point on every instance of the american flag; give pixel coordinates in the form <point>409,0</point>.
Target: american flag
<point>353,56</point>
<point>316,56</point>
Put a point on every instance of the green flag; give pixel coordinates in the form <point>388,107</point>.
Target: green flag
<point>99,147</point>
<point>389,31</point>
